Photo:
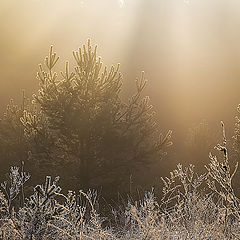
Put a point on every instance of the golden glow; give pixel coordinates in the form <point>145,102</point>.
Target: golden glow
<point>189,49</point>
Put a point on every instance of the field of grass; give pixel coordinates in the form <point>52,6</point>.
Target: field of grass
<point>192,207</point>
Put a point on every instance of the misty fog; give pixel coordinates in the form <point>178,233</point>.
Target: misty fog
<point>189,51</point>
<point>84,153</point>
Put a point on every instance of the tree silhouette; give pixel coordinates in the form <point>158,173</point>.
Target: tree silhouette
<point>85,131</point>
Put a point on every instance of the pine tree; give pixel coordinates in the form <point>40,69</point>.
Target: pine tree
<point>13,144</point>
<point>84,129</point>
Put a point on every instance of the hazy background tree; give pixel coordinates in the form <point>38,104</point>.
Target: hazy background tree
<point>13,144</point>
<point>19,143</point>
<point>200,140</point>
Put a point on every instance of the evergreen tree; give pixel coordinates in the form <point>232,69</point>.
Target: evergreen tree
<point>13,144</point>
<point>85,131</point>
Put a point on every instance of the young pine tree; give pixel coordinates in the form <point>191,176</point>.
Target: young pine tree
<point>99,140</point>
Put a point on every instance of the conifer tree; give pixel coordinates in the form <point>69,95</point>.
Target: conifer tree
<point>23,135</point>
<point>13,144</point>
<point>83,128</point>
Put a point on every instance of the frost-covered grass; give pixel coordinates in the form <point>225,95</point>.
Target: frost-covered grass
<point>183,213</point>
<point>192,207</point>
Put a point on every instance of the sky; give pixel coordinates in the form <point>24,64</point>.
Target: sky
<point>189,50</point>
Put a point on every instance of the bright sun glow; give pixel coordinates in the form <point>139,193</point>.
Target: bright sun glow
<point>121,3</point>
